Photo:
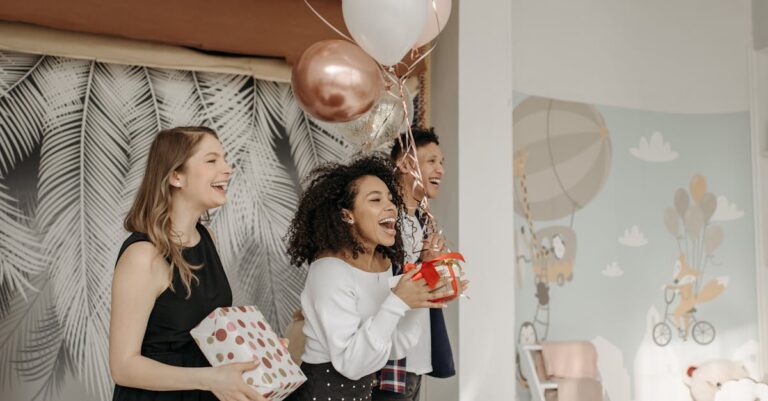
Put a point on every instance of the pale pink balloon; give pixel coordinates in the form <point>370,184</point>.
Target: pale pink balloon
<point>336,81</point>
<point>431,28</point>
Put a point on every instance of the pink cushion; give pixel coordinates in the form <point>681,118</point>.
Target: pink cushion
<point>570,359</point>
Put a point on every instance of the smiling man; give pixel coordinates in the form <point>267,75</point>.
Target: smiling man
<point>401,379</point>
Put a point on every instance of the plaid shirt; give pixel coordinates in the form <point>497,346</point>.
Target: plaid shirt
<point>392,376</point>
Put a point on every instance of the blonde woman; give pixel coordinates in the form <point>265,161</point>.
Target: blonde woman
<point>169,277</point>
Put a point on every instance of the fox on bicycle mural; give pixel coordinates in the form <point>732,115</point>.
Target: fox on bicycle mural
<point>697,241</point>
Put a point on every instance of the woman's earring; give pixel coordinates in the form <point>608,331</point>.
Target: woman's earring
<point>348,221</point>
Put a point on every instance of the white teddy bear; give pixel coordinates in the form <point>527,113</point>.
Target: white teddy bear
<point>705,380</point>
<point>742,390</point>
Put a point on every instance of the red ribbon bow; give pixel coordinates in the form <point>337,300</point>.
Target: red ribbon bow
<point>429,272</point>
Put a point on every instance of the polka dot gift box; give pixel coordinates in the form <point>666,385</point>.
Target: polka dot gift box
<point>240,334</point>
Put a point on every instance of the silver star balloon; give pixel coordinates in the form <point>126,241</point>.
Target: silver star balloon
<point>378,128</point>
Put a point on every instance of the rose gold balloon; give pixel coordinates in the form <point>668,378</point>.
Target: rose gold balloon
<point>336,81</point>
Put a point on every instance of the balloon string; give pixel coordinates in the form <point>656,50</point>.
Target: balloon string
<point>425,94</point>
<point>410,151</point>
<point>328,23</point>
<point>410,160</point>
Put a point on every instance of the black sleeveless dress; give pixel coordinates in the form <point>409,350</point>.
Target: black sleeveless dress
<point>167,339</point>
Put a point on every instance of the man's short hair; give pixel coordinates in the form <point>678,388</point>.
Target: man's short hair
<point>421,136</point>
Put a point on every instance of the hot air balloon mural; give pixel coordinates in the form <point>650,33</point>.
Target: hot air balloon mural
<point>561,162</point>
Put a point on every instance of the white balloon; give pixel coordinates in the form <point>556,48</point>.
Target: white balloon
<point>431,28</point>
<point>386,29</point>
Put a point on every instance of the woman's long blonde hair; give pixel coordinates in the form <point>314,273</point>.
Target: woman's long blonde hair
<point>151,210</point>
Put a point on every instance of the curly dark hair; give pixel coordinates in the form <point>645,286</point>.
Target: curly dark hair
<point>317,224</point>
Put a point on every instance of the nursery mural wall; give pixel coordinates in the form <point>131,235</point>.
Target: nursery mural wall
<point>634,231</point>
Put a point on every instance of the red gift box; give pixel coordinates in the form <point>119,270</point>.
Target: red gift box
<point>443,268</point>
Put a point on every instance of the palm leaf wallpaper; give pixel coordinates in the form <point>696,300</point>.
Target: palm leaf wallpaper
<point>74,136</point>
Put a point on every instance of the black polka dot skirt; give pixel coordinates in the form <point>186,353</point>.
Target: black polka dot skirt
<point>324,383</point>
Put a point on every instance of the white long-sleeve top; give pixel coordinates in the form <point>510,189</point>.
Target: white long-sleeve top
<point>353,319</point>
<point>419,357</point>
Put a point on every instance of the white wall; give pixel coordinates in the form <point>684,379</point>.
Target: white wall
<point>487,321</point>
<point>759,103</point>
<point>760,23</point>
<point>675,56</point>
<point>444,117</point>
<point>760,134</point>
<point>472,111</point>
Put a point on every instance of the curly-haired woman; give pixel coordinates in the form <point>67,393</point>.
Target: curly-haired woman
<point>347,228</point>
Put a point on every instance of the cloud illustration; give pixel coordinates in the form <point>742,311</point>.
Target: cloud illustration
<point>726,210</point>
<point>613,270</point>
<point>655,150</point>
<point>633,237</point>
